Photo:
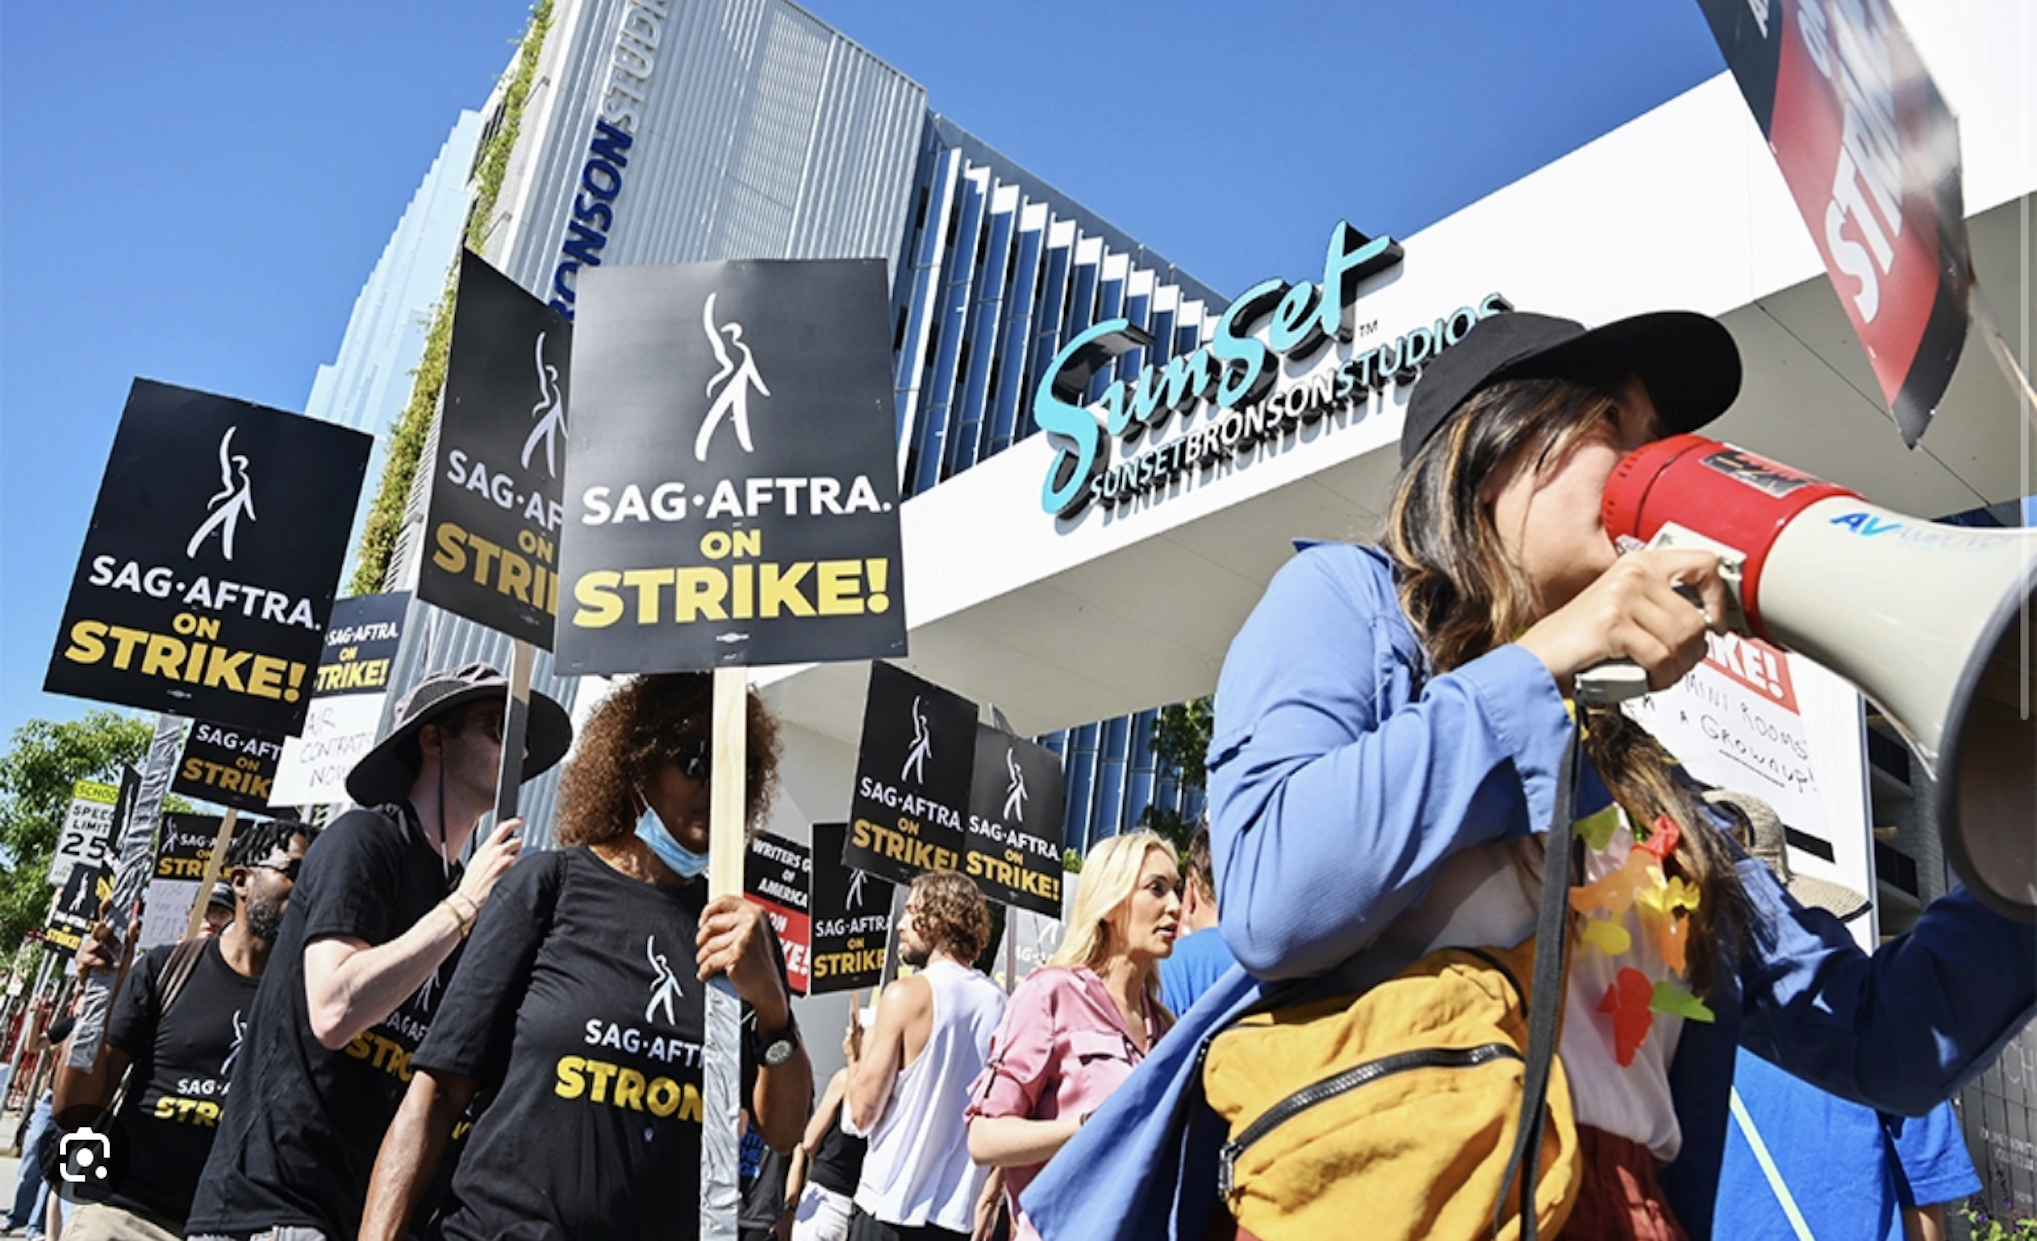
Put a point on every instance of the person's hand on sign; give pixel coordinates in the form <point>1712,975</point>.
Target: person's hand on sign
<point>734,939</point>
<point>101,948</point>
<point>491,861</point>
<point>852,1042</point>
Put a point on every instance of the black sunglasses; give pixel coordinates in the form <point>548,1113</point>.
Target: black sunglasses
<point>695,756</point>
<point>288,870</point>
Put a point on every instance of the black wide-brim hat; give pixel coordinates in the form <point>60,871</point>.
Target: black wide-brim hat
<point>1687,361</point>
<point>383,776</point>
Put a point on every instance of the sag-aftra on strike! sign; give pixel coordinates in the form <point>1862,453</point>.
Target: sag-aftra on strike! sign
<point>731,484</point>
<point>209,568</point>
<point>492,550</point>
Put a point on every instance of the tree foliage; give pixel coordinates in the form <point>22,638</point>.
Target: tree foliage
<point>36,774</point>
<point>1181,739</point>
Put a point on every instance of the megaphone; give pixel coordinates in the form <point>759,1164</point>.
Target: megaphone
<point>1927,620</point>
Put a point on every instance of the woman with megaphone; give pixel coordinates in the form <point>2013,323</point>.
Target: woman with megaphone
<point>1395,735</point>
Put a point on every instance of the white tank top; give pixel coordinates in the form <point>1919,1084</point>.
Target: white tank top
<point>917,1171</point>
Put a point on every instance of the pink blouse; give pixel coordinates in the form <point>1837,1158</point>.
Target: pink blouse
<point>1061,1049</point>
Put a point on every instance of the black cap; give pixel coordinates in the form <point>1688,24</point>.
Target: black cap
<point>382,775</point>
<point>1688,362</point>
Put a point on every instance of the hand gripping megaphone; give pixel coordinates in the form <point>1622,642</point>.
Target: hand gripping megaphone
<point>1927,620</point>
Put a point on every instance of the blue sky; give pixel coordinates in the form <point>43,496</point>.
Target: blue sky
<point>196,192</point>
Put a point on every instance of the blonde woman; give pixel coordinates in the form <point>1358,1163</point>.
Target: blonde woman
<point>1076,1027</point>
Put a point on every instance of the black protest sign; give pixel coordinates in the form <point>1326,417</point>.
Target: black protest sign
<point>778,874</point>
<point>77,906</point>
<point>912,777</point>
<point>346,709</point>
<point>184,845</point>
<point>228,766</point>
<point>731,488</point>
<point>491,550</point>
<point>209,568</point>
<point>851,913</point>
<point>1017,812</point>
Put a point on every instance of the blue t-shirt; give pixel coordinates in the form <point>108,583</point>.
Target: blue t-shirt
<point>1194,966</point>
<point>1833,1159</point>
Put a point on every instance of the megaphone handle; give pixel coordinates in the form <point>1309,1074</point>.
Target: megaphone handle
<point>1616,680</point>
<point>1619,680</point>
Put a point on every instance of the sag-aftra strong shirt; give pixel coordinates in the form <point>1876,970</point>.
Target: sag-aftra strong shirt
<point>299,1142</point>
<point>577,1008</point>
<point>181,1062</point>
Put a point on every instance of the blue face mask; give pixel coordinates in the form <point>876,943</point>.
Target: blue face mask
<point>684,862</point>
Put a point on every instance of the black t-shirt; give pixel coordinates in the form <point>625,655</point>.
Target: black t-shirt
<point>297,1147</point>
<point>838,1164</point>
<point>760,1174</point>
<point>577,1008</point>
<point>181,1062</point>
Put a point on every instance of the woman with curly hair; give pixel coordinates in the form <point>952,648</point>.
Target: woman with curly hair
<point>1077,1026</point>
<point>577,1012</point>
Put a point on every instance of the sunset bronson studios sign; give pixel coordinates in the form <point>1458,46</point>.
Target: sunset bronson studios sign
<point>1236,378</point>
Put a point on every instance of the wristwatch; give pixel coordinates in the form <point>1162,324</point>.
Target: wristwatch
<point>772,1050</point>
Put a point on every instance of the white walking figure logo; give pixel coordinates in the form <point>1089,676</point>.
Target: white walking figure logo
<point>734,401</point>
<point>1015,796</point>
<point>856,889</point>
<point>236,496</point>
<point>922,746</point>
<point>240,1029</point>
<point>550,411</point>
<point>665,988</point>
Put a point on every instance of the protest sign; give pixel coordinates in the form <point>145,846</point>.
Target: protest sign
<point>77,905</point>
<point>184,845</point>
<point>778,874</point>
<point>208,572</point>
<point>492,551</point>
<point>731,486</point>
<point>700,537</point>
<point>1017,812</point>
<point>1754,719</point>
<point>913,774</point>
<point>346,709</point>
<point>851,917</point>
<point>1870,152</point>
<point>87,831</point>
<point>228,767</point>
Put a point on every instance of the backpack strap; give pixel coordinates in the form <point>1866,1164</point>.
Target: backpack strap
<point>177,971</point>
<point>1545,1000</point>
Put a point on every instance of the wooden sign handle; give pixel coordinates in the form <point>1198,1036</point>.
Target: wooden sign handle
<point>213,866</point>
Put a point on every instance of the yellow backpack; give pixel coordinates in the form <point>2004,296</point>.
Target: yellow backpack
<point>1393,1113</point>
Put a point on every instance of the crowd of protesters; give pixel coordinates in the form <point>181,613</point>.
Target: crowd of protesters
<point>386,1042</point>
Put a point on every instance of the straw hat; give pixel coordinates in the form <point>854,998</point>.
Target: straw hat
<point>1768,845</point>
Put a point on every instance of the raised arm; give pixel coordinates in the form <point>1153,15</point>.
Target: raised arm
<point>350,984</point>
<point>876,1060</point>
<point>1340,782</point>
<point>1899,1030</point>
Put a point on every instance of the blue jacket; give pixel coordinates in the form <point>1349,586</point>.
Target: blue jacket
<point>1341,778</point>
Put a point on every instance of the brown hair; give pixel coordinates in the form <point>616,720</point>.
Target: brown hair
<point>950,914</point>
<point>638,729</point>
<point>1199,871</point>
<point>1465,597</point>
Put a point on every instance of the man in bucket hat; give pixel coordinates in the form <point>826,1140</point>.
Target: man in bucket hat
<point>378,915</point>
